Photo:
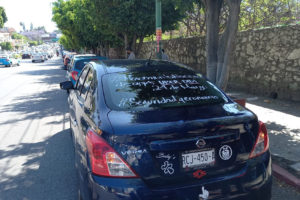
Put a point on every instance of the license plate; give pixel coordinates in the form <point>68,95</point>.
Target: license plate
<point>196,159</point>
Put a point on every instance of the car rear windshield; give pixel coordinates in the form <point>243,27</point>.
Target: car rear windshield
<point>79,65</point>
<point>146,90</point>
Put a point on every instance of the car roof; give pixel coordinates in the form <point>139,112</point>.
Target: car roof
<point>87,57</point>
<point>79,55</point>
<point>112,66</point>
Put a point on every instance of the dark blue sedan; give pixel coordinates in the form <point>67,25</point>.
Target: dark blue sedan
<point>157,130</point>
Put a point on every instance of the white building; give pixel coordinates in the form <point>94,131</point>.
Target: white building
<point>5,37</point>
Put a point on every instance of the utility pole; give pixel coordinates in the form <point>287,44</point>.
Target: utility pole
<point>158,28</point>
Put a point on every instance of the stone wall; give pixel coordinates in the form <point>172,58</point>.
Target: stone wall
<point>265,61</point>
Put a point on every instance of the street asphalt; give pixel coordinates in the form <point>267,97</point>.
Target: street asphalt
<point>36,153</point>
<point>36,157</point>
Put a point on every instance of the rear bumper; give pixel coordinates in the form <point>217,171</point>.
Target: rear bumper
<point>249,181</point>
<point>4,63</point>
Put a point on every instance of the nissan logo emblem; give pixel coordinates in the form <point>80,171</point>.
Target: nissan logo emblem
<point>200,143</point>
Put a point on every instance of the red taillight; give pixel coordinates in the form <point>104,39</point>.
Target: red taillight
<point>7,60</point>
<point>262,141</point>
<point>74,75</point>
<point>104,160</point>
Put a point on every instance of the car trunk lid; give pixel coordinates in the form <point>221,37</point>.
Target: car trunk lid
<point>183,145</point>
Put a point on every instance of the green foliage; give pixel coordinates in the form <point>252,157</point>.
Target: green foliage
<point>17,36</point>
<point>66,42</point>
<point>17,56</point>
<point>135,19</point>
<point>6,46</point>
<point>100,24</point>
<point>3,17</point>
<point>256,14</point>
<point>33,43</point>
<point>74,19</point>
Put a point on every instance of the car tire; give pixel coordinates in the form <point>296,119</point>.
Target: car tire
<point>8,65</point>
<point>33,61</point>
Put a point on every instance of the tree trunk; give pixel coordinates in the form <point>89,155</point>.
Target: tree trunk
<point>213,8</point>
<point>125,44</point>
<point>139,46</point>
<point>219,52</point>
<point>133,44</point>
<point>226,44</point>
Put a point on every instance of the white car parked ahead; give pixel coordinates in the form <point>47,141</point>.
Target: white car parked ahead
<point>38,58</point>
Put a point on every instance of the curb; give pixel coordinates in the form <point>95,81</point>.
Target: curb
<point>285,176</point>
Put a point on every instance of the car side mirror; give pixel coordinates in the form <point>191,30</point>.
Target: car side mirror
<point>66,85</point>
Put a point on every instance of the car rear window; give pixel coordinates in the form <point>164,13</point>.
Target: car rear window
<point>81,63</point>
<point>146,90</point>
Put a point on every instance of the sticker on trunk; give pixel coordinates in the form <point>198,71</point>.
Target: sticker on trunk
<point>199,174</point>
<point>225,152</point>
<point>167,168</point>
<point>204,195</point>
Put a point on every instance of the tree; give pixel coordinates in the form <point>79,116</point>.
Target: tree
<point>3,17</point>
<point>265,13</point>
<point>103,23</point>
<point>17,36</point>
<point>33,43</point>
<point>194,23</point>
<point>22,24</point>
<point>6,46</point>
<point>40,28</point>
<point>219,50</point>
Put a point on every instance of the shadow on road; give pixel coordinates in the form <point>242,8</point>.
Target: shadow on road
<point>55,175</point>
<point>50,102</point>
<point>36,106</point>
<point>49,76</point>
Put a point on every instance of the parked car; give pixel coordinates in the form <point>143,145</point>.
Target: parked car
<point>147,129</point>
<point>76,56</point>
<point>26,55</point>
<point>67,59</point>
<point>45,55</point>
<point>9,61</point>
<point>77,64</point>
<point>37,58</point>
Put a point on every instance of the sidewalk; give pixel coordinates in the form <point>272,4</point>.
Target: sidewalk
<point>282,119</point>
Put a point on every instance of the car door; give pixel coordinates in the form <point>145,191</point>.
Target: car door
<point>85,106</point>
<point>76,102</point>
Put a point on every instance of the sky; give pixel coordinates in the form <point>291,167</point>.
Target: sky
<point>37,12</point>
